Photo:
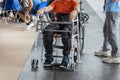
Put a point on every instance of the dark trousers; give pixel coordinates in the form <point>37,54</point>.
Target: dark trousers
<point>66,36</point>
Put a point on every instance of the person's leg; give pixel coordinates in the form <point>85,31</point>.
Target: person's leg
<point>105,51</point>
<point>113,24</point>
<point>24,18</point>
<point>105,42</point>
<point>47,41</point>
<point>66,40</point>
<point>27,20</point>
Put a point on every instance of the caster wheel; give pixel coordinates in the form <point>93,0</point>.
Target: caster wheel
<point>75,59</point>
<point>34,64</point>
<point>81,21</point>
<point>72,67</point>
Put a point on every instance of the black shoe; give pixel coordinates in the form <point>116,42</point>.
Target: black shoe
<point>65,62</point>
<point>48,62</point>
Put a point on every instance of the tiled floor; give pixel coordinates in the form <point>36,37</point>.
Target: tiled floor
<point>15,45</point>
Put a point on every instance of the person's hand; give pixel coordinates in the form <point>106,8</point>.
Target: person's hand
<point>73,15</point>
<point>41,11</point>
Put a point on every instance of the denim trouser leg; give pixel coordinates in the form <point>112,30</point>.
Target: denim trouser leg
<point>112,20</point>
<point>66,40</point>
<point>48,40</point>
<point>105,42</point>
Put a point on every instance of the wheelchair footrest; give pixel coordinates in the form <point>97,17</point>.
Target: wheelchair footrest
<point>57,56</point>
<point>57,46</point>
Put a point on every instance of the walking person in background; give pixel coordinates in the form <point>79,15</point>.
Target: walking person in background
<point>24,12</point>
<point>111,31</point>
<point>30,7</point>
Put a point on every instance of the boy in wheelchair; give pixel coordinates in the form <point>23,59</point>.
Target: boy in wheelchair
<point>65,10</point>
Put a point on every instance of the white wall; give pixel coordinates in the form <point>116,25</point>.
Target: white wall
<point>97,6</point>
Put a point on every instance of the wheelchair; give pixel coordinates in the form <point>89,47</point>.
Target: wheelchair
<point>84,17</point>
<point>77,40</point>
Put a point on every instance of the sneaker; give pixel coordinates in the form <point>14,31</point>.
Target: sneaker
<point>30,26</point>
<point>48,62</point>
<point>110,59</point>
<point>103,53</point>
<point>65,62</point>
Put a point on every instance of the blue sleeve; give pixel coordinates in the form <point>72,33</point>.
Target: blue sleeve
<point>42,5</point>
<point>12,5</point>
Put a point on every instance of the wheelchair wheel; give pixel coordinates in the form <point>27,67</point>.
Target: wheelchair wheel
<point>85,16</point>
<point>81,19</point>
<point>82,34</point>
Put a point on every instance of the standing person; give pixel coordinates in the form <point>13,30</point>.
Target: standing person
<point>65,10</point>
<point>110,31</point>
<point>24,12</point>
